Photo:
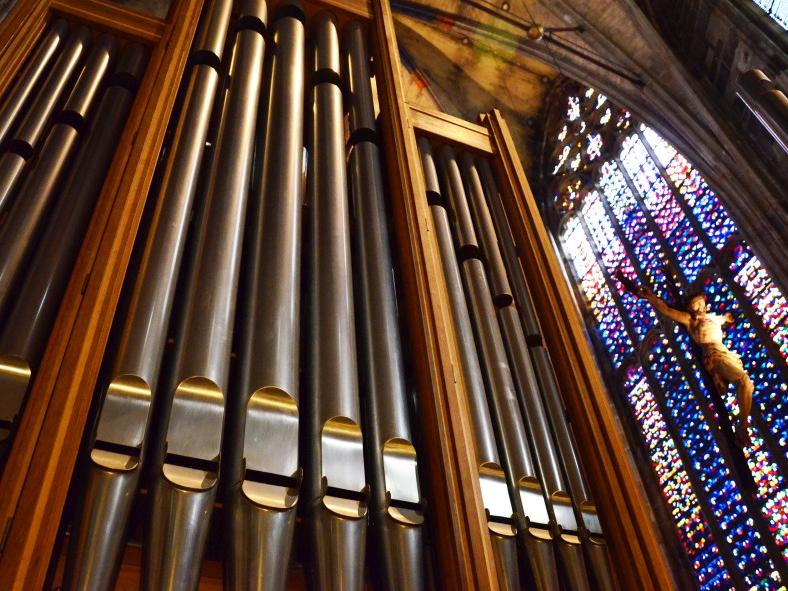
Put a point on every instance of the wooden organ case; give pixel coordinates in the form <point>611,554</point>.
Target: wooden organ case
<point>366,373</point>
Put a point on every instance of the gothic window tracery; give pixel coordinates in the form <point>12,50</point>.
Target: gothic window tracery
<point>630,204</point>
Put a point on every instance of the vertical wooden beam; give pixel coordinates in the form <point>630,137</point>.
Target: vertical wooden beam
<point>36,478</point>
<point>629,525</point>
<point>465,554</point>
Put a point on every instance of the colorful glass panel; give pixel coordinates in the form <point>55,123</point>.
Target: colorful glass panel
<point>677,489</point>
<point>722,492</point>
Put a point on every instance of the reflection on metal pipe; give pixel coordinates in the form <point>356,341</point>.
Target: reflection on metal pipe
<point>337,490</point>
<point>30,76</point>
<point>263,468</point>
<point>117,450</point>
<point>492,480</point>
<point>397,508</point>
<point>453,190</point>
<point>185,485</point>
<point>25,138</point>
<point>767,102</point>
<point>20,232</point>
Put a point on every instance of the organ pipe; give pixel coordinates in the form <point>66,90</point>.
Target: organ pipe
<point>185,479</point>
<point>119,442</point>
<point>338,494</point>
<point>265,473</point>
<point>24,224</point>
<point>397,510</point>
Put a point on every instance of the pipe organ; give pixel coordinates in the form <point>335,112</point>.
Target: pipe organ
<point>262,319</point>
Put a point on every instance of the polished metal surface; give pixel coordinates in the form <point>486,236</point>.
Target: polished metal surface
<point>507,244</point>
<point>33,72</point>
<point>453,190</point>
<point>326,43</point>
<point>598,560</point>
<point>18,233</point>
<point>767,101</point>
<point>485,229</point>
<point>60,77</point>
<point>337,489</point>
<point>506,562</point>
<point>41,188</point>
<point>573,562</point>
<point>430,169</point>
<point>90,80</point>
<point>212,34</point>
<point>484,437</point>
<point>391,456</point>
<point>11,166</point>
<point>545,451</point>
<point>185,487</point>
<point>264,424</point>
<point>355,47</point>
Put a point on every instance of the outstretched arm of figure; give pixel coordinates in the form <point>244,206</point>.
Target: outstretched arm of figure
<point>663,308</point>
<point>728,319</point>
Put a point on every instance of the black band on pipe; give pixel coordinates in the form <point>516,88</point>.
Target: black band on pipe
<point>271,478</point>
<point>468,251</point>
<point>124,80</point>
<point>117,448</point>
<point>203,57</point>
<point>22,148</point>
<point>290,11</point>
<point>326,75</point>
<point>435,198</point>
<point>71,118</point>
<point>502,300</point>
<point>249,22</point>
<point>363,134</point>
<point>534,340</point>
<point>194,463</point>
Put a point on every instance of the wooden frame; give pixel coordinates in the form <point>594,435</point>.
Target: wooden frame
<point>43,457</point>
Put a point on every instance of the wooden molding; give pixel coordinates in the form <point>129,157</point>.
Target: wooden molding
<point>42,459</point>
<point>448,128</point>
<point>465,556</point>
<point>99,15</point>
<point>630,530</point>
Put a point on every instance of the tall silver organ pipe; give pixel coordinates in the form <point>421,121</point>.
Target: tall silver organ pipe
<point>397,513</point>
<point>492,479</point>
<point>526,487</point>
<point>264,472</point>
<point>30,76</point>
<point>188,445</point>
<point>23,142</point>
<point>559,504</point>
<point>118,443</point>
<point>588,525</point>
<point>337,491</point>
<point>26,218</point>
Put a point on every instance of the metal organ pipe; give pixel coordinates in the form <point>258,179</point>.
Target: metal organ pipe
<point>30,76</point>
<point>24,141</point>
<point>492,480</point>
<point>578,499</point>
<point>397,512</point>
<point>18,235</point>
<point>185,483</point>
<point>337,489</point>
<point>264,470</point>
<point>118,443</point>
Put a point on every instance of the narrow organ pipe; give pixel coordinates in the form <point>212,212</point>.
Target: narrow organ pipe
<point>185,484</point>
<point>337,491</point>
<point>263,469</point>
<point>397,508</point>
<point>34,71</point>
<point>118,443</point>
<point>492,480</point>
<point>23,143</point>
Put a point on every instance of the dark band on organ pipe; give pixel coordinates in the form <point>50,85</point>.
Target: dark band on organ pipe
<point>119,440</point>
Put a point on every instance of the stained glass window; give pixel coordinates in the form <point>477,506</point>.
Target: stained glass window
<point>649,216</point>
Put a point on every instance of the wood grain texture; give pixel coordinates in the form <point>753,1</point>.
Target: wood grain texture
<point>449,128</point>
<point>42,459</point>
<point>465,556</point>
<point>19,33</point>
<point>112,17</point>
<point>630,529</point>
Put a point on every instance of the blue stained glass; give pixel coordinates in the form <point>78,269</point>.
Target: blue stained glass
<point>720,489</point>
<point>677,489</point>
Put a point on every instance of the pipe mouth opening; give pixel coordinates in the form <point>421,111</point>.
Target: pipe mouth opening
<point>271,491</point>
